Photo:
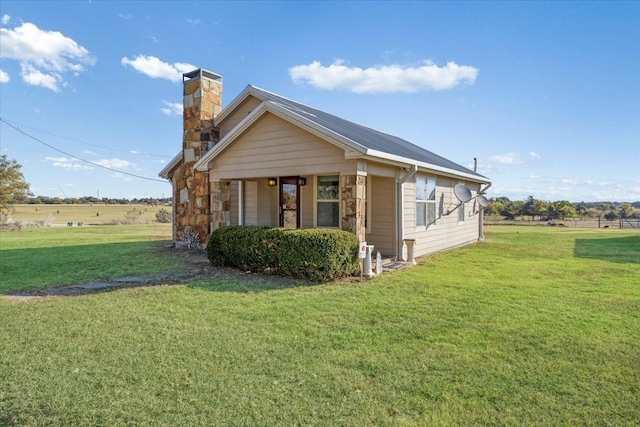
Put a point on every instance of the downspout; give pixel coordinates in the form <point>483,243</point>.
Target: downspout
<point>400,209</point>
<point>481,216</point>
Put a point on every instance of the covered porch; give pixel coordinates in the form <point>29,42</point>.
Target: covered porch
<point>361,204</point>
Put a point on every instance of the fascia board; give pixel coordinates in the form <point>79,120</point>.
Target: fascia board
<point>391,158</point>
<point>164,173</point>
<point>233,105</point>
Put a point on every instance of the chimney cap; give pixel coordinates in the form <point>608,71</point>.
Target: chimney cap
<point>200,73</point>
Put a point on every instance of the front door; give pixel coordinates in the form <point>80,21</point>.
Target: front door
<point>289,202</point>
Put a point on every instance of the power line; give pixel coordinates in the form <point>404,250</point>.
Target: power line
<point>83,142</point>
<point>76,157</point>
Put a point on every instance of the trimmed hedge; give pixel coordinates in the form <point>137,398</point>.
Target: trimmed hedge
<point>312,254</point>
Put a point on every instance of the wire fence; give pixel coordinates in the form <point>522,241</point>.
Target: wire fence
<point>629,223</point>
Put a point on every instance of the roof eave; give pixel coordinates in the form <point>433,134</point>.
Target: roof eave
<point>164,173</point>
<point>399,160</point>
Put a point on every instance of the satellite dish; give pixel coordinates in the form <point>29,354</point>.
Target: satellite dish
<point>462,192</point>
<point>482,201</point>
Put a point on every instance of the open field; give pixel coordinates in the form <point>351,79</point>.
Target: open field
<point>535,326</point>
<point>95,214</point>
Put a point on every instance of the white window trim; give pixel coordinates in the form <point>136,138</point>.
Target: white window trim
<point>315,201</point>
<point>427,202</point>
<point>461,211</point>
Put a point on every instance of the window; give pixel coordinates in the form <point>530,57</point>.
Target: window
<point>425,201</point>
<point>461,212</point>
<point>328,201</point>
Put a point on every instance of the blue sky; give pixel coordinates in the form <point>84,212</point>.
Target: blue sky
<point>546,95</point>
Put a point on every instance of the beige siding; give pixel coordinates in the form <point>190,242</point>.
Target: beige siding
<point>273,147</point>
<point>233,203</point>
<point>242,111</point>
<point>447,232</point>
<point>306,204</point>
<point>382,199</point>
<point>250,203</point>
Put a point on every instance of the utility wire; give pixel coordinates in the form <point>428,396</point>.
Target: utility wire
<point>76,157</point>
<point>83,142</point>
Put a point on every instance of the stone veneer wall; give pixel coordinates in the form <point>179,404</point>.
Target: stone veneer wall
<point>202,98</point>
<point>354,204</point>
<point>220,204</point>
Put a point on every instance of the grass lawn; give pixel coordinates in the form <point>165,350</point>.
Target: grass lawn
<point>88,214</point>
<point>37,258</point>
<point>535,326</point>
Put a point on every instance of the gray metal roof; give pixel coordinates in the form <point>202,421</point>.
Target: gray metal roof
<point>362,135</point>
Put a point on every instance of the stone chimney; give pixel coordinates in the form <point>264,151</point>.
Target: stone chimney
<point>202,100</point>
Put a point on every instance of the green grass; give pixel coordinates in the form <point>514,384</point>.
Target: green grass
<point>37,258</point>
<point>535,326</point>
<point>96,214</point>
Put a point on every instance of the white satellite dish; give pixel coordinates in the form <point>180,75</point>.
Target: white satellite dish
<point>462,192</point>
<point>482,201</point>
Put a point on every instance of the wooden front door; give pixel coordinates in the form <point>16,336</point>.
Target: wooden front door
<point>289,202</point>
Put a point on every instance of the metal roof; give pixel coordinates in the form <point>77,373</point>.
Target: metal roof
<point>362,135</point>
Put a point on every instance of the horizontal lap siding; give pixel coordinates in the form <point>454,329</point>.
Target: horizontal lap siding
<point>382,214</point>
<point>250,203</point>
<point>238,115</point>
<point>273,147</point>
<point>447,232</point>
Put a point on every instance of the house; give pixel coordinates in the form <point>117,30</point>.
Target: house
<point>268,160</point>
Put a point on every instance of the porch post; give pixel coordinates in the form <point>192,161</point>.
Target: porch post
<point>220,204</point>
<point>354,202</point>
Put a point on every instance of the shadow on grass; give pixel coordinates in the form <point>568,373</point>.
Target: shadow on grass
<point>38,268</point>
<point>614,249</point>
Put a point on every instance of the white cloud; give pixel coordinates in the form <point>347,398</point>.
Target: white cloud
<point>115,163</point>
<point>534,176</point>
<point>155,68</point>
<point>534,155</point>
<point>67,163</point>
<point>172,109</point>
<point>386,78</point>
<point>507,159</point>
<point>571,181</point>
<point>5,19</point>
<point>194,21</point>
<point>44,56</point>
<point>125,16</point>
<point>4,77</point>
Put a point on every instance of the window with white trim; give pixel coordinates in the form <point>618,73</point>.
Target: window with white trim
<point>461,212</point>
<point>328,201</point>
<point>425,201</point>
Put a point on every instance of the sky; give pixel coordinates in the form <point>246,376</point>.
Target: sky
<point>545,95</point>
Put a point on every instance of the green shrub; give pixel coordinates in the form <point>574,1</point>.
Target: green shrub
<point>312,254</point>
<point>163,216</point>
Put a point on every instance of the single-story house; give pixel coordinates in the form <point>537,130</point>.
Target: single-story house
<point>268,160</point>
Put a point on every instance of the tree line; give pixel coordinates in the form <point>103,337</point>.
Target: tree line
<point>45,200</point>
<point>533,209</point>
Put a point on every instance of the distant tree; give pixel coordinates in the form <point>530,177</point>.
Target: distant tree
<point>512,210</point>
<point>581,208</point>
<point>627,210</point>
<point>564,209</point>
<point>13,187</point>
<point>611,215</point>
<point>492,208</point>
